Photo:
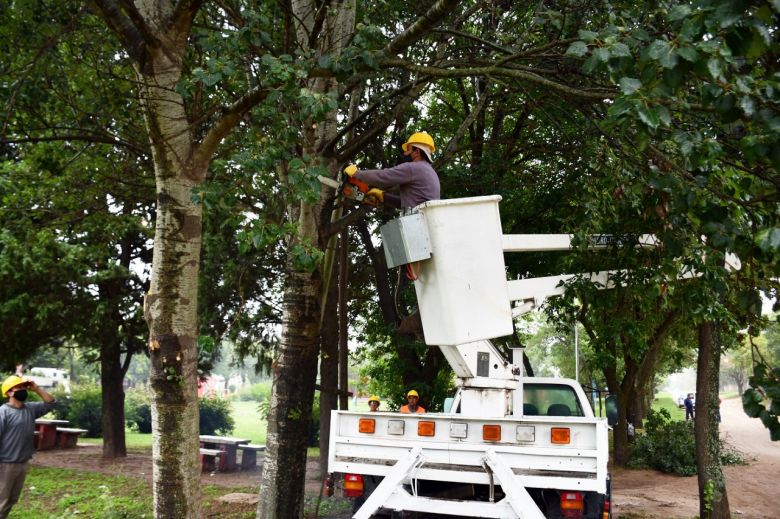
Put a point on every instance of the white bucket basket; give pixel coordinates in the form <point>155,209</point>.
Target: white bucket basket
<point>462,289</point>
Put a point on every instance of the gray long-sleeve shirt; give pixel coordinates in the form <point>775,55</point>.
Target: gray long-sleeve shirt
<point>17,426</point>
<point>417,182</point>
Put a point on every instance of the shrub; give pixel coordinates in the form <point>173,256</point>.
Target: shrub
<point>670,446</point>
<point>82,409</point>
<point>216,416</point>
<point>138,410</point>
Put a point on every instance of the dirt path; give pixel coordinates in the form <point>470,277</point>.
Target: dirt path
<point>751,488</point>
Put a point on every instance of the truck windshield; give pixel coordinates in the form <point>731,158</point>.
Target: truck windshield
<point>550,400</point>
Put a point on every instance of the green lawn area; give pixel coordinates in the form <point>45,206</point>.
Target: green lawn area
<point>51,493</point>
<point>669,402</point>
<point>248,424</point>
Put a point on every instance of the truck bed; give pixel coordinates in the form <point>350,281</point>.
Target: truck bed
<point>456,449</point>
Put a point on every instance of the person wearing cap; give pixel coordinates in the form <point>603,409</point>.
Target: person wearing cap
<point>415,178</point>
<point>412,406</point>
<point>373,403</point>
<point>17,428</point>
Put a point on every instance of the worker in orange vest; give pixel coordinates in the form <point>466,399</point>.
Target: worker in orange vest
<point>412,398</point>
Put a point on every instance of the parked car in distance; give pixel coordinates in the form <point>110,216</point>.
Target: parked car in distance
<point>681,400</point>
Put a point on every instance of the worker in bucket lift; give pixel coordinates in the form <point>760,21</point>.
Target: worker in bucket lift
<point>415,177</point>
<point>412,406</point>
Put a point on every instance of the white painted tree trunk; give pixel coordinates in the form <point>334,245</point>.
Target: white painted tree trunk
<point>171,303</point>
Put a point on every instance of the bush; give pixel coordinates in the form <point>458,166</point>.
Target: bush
<point>670,446</point>
<point>216,416</point>
<point>138,410</point>
<point>82,409</point>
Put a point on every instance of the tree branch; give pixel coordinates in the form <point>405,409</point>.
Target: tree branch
<point>132,37</point>
<point>229,119</point>
<point>493,71</point>
<point>420,28</point>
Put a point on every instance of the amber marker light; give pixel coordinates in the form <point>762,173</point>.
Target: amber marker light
<point>560,435</point>
<point>491,433</point>
<point>366,425</point>
<point>426,428</point>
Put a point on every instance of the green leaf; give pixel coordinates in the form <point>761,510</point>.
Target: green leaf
<point>769,239</point>
<point>629,85</point>
<point>673,77</point>
<point>663,115</point>
<point>620,50</point>
<point>688,54</point>
<point>621,106</point>
<point>663,53</point>
<point>578,49</point>
<point>324,61</point>
<point>648,116</point>
<point>747,105</point>
<point>587,36</point>
<point>678,12</point>
<point>601,54</point>
<point>714,68</point>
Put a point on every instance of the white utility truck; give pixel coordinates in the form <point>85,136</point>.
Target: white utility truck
<point>510,446</point>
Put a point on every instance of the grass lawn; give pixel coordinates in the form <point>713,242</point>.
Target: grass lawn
<point>51,493</point>
<point>54,492</point>
<point>669,402</point>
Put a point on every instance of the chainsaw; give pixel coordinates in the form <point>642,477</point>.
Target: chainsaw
<point>351,189</point>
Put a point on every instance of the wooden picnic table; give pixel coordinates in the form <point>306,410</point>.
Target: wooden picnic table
<point>226,444</point>
<point>47,433</point>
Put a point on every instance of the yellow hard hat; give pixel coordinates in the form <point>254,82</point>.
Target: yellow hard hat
<point>374,398</point>
<point>419,138</point>
<point>412,393</point>
<point>10,383</point>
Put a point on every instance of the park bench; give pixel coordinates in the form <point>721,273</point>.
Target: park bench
<point>67,437</point>
<point>249,455</point>
<point>209,459</point>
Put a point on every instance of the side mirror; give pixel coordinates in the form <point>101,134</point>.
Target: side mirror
<point>610,403</point>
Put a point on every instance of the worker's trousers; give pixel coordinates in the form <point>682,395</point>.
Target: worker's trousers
<point>11,483</point>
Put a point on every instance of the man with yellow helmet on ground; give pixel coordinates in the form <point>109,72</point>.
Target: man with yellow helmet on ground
<point>373,403</point>
<point>412,399</point>
<point>17,426</point>
<point>415,177</point>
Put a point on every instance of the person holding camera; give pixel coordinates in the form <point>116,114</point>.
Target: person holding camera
<point>17,430</point>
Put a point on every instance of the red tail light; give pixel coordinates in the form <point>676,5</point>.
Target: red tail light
<point>607,505</point>
<point>353,485</point>
<point>571,504</point>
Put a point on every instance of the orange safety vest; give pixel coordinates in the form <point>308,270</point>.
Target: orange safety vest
<point>405,409</point>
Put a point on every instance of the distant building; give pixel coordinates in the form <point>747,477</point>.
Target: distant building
<point>50,378</point>
<point>211,386</point>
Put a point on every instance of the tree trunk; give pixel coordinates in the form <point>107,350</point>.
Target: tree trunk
<point>713,500</point>
<point>329,372</point>
<point>113,399</point>
<point>295,368</point>
<point>294,372</point>
<point>343,321</point>
<point>170,306</point>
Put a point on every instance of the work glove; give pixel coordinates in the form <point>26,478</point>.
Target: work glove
<point>351,170</point>
<point>376,194</point>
